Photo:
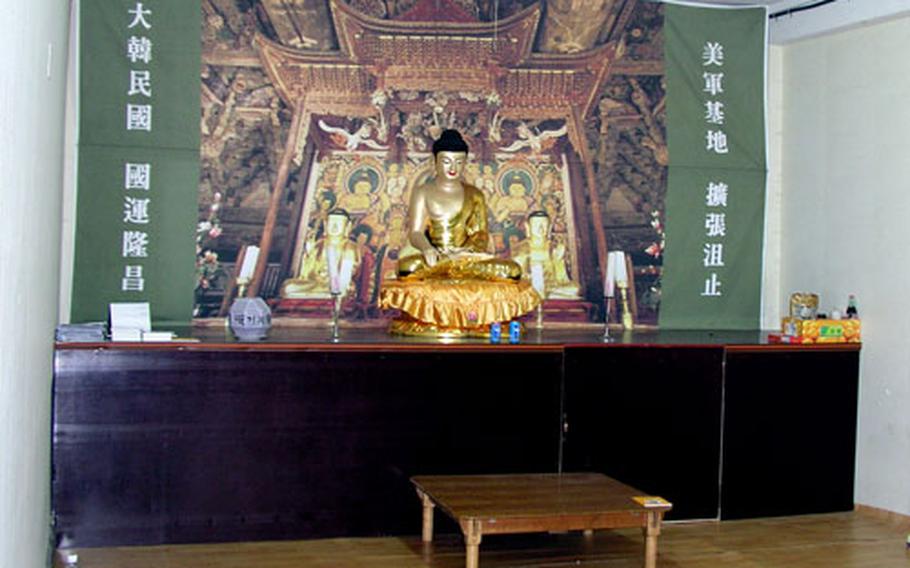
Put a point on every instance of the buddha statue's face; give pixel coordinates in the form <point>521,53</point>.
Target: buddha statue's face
<point>450,165</point>
<point>517,190</point>
<point>337,225</point>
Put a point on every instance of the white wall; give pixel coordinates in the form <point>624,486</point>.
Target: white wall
<point>31,144</point>
<point>846,222</point>
<point>827,18</point>
<point>771,307</point>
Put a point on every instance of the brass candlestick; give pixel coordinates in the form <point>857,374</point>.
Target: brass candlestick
<point>242,283</point>
<point>606,336</point>
<point>626,313</point>
<point>336,309</point>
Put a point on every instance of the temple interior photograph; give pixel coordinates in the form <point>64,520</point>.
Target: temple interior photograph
<point>445,283</point>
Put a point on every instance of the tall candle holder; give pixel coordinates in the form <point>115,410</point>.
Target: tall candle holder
<point>539,284</point>
<point>626,312</point>
<point>606,337</point>
<point>621,276</point>
<point>614,277</point>
<point>242,283</point>
<point>340,267</point>
<point>336,310</point>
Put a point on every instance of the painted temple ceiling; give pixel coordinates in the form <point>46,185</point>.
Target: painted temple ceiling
<point>360,64</point>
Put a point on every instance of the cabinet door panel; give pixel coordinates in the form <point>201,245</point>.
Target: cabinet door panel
<point>156,447</point>
<point>789,433</point>
<point>649,417</point>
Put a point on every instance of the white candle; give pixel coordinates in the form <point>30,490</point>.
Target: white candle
<point>344,276</point>
<point>610,276</point>
<point>622,276</point>
<point>249,263</point>
<point>537,280</point>
<point>331,259</point>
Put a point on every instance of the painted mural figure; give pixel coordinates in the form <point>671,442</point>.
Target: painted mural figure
<point>365,277</point>
<point>516,202</point>
<point>533,139</point>
<point>352,140</point>
<point>396,183</point>
<point>363,194</point>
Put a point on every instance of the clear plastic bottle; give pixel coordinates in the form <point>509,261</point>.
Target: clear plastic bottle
<point>852,312</point>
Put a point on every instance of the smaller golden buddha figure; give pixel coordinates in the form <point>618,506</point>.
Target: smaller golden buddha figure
<point>335,247</point>
<point>325,202</point>
<point>550,255</point>
<point>453,285</point>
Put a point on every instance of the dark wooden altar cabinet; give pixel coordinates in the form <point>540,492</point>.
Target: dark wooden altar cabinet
<point>298,437</point>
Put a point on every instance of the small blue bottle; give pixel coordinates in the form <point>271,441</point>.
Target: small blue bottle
<point>514,332</point>
<point>495,332</point>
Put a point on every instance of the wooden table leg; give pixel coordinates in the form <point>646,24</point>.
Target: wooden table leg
<point>428,507</point>
<point>651,532</point>
<point>472,537</point>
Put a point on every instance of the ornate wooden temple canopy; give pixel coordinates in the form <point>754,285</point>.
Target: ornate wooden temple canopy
<point>384,65</point>
<point>484,58</point>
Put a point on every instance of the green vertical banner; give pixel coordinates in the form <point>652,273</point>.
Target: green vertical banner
<point>715,72</point>
<point>138,157</point>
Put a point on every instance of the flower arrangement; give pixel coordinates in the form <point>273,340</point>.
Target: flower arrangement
<point>651,297</point>
<point>656,249</point>
<point>208,268</point>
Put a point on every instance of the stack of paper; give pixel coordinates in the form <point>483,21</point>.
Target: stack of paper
<point>133,322</point>
<point>81,332</point>
<point>158,336</point>
<point>129,320</point>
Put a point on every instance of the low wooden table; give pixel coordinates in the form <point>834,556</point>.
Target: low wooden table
<point>500,504</point>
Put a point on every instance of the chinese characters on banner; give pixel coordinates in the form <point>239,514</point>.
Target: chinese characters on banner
<point>137,176</point>
<point>714,63</point>
<point>138,157</point>
<point>716,142</point>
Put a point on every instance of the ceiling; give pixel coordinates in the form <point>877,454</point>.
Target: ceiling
<point>819,17</point>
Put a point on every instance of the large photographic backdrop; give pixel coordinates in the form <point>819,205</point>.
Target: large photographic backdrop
<point>634,125</point>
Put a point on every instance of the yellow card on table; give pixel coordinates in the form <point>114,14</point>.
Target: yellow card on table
<point>648,501</point>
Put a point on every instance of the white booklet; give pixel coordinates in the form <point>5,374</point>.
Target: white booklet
<point>129,320</point>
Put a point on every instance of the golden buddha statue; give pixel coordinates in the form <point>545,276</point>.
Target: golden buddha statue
<point>538,249</point>
<point>336,247</point>
<point>454,285</point>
